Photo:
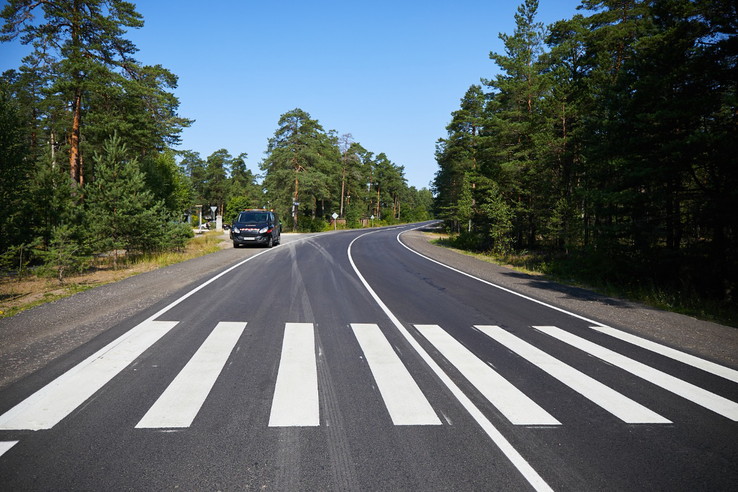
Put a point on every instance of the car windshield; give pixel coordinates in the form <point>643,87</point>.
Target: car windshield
<point>252,217</point>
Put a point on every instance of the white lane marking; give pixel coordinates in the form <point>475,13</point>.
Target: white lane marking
<point>210,281</point>
<point>693,393</point>
<point>509,400</point>
<point>295,402</point>
<point>183,398</point>
<point>404,400</point>
<point>492,432</point>
<point>617,404</point>
<point>45,413</point>
<point>6,445</point>
<point>705,365</point>
<point>49,405</point>
<point>497,286</point>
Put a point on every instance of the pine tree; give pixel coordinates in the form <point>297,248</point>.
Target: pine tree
<point>123,214</point>
<point>14,183</point>
<point>293,166</point>
<point>82,58</point>
<point>216,185</point>
<point>242,188</point>
<point>515,120</point>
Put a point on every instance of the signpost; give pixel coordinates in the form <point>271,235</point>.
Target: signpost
<point>199,223</point>
<point>335,216</point>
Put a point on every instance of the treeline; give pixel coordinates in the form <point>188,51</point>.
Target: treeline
<point>321,172</point>
<point>609,139</point>
<point>86,133</point>
<point>310,174</point>
<point>87,139</point>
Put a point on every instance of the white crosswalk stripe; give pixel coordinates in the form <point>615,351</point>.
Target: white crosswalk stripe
<point>510,401</point>
<point>617,404</point>
<point>404,400</point>
<point>182,400</point>
<point>6,445</point>
<point>693,393</point>
<point>295,402</point>
<point>56,400</point>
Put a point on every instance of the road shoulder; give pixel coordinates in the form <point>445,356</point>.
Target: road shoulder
<point>702,338</point>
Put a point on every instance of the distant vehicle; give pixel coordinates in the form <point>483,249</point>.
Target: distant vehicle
<point>256,227</point>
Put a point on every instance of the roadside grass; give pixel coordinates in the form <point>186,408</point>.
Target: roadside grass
<point>569,271</point>
<point>18,294</point>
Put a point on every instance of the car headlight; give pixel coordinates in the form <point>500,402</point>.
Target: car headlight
<point>264,230</point>
<point>236,230</point>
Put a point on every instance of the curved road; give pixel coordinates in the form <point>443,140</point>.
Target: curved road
<point>351,361</point>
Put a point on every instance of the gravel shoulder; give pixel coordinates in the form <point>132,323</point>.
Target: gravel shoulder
<point>33,338</point>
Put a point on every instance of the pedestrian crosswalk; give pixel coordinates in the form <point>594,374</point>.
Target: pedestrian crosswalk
<point>405,401</point>
<point>180,402</point>
<point>49,405</point>
<point>702,397</point>
<point>617,404</point>
<point>295,401</point>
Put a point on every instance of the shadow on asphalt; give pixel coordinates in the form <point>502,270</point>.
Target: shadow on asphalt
<point>570,292</point>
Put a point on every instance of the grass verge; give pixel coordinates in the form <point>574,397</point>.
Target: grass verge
<point>569,271</point>
<point>19,294</point>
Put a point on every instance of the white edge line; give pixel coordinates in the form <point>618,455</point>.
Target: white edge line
<point>503,444</point>
<point>672,353</point>
<point>684,357</point>
<point>205,284</point>
<point>151,318</point>
<point>497,286</point>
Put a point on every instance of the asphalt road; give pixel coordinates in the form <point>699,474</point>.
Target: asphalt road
<point>362,361</point>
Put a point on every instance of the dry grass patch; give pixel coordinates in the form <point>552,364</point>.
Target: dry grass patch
<point>19,294</point>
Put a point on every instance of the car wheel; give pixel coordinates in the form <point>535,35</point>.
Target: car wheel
<point>235,244</point>
<point>271,242</point>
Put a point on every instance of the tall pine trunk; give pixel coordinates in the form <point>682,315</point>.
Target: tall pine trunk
<point>75,158</point>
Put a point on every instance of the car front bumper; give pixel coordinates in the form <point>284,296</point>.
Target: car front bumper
<point>249,239</point>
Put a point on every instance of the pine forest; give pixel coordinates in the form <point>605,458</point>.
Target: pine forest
<point>90,162</point>
<point>605,148</point>
<point>602,147</point>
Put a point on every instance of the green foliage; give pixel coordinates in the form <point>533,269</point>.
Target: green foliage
<point>235,205</point>
<point>17,258</point>
<point>616,147</point>
<point>176,236</point>
<point>167,182</point>
<point>66,254</point>
<point>301,159</point>
<point>81,83</point>
<point>14,184</point>
<point>123,213</point>
<point>242,185</point>
<point>215,178</point>
<point>55,201</point>
<point>499,221</point>
<point>308,224</point>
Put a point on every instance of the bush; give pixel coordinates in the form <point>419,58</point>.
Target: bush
<point>468,241</point>
<point>177,235</point>
<point>66,254</point>
<point>308,224</point>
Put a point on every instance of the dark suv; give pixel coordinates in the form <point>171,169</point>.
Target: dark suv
<point>256,227</point>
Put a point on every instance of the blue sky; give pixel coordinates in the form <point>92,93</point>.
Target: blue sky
<point>388,72</point>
